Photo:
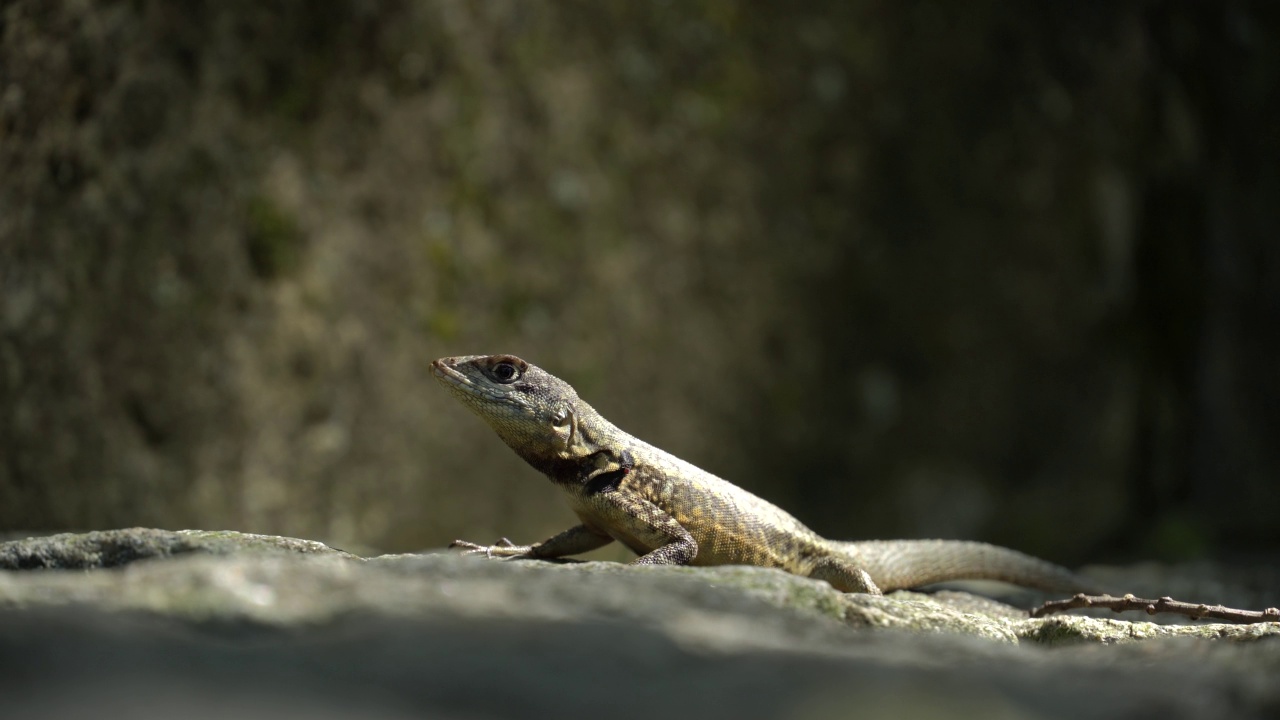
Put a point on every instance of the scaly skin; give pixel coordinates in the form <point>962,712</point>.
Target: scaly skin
<point>670,512</point>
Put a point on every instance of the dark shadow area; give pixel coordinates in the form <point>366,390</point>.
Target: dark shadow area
<point>907,270</point>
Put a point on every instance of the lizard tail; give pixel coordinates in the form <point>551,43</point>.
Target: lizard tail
<point>900,564</point>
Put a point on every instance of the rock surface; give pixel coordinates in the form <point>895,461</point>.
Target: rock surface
<point>207,624</point>
<point>109,548</point>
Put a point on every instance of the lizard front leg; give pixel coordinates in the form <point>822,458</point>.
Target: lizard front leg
<point>576,540</point>
<point>601,474</point>
<point>644,527</point>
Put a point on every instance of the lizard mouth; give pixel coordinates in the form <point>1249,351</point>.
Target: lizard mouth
<point>467,387</point>
<point>445,373</point>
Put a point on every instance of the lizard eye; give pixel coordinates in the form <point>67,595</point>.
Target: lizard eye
<point>505,372</point>
<point>560,418</point>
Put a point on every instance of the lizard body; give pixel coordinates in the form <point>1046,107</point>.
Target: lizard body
<point>669,511</point>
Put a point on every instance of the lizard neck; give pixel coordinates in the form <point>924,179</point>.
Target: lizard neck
<point>593,445</point>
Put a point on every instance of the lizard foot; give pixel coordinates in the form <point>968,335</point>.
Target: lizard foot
<point>845,576</point>
<point>504,549</point>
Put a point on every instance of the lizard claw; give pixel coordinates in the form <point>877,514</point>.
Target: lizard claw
<point>504,549</point>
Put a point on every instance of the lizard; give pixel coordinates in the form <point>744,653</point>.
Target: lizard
<point>669,511</point>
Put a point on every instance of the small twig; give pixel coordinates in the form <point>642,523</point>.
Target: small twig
<point>1195,611</point>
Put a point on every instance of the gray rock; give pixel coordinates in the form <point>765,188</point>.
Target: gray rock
<point>218,624</point>
<point>109,548</point>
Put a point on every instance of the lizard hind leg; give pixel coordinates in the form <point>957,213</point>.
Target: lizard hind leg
<point>679,552</point>
<point>844,576</point>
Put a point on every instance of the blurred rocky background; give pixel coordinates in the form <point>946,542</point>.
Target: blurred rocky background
<point>1001,271</point>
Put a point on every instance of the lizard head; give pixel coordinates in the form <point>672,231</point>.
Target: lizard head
<point>536,413</point>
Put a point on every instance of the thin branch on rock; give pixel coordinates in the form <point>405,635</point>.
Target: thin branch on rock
<point>1195,611</point>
